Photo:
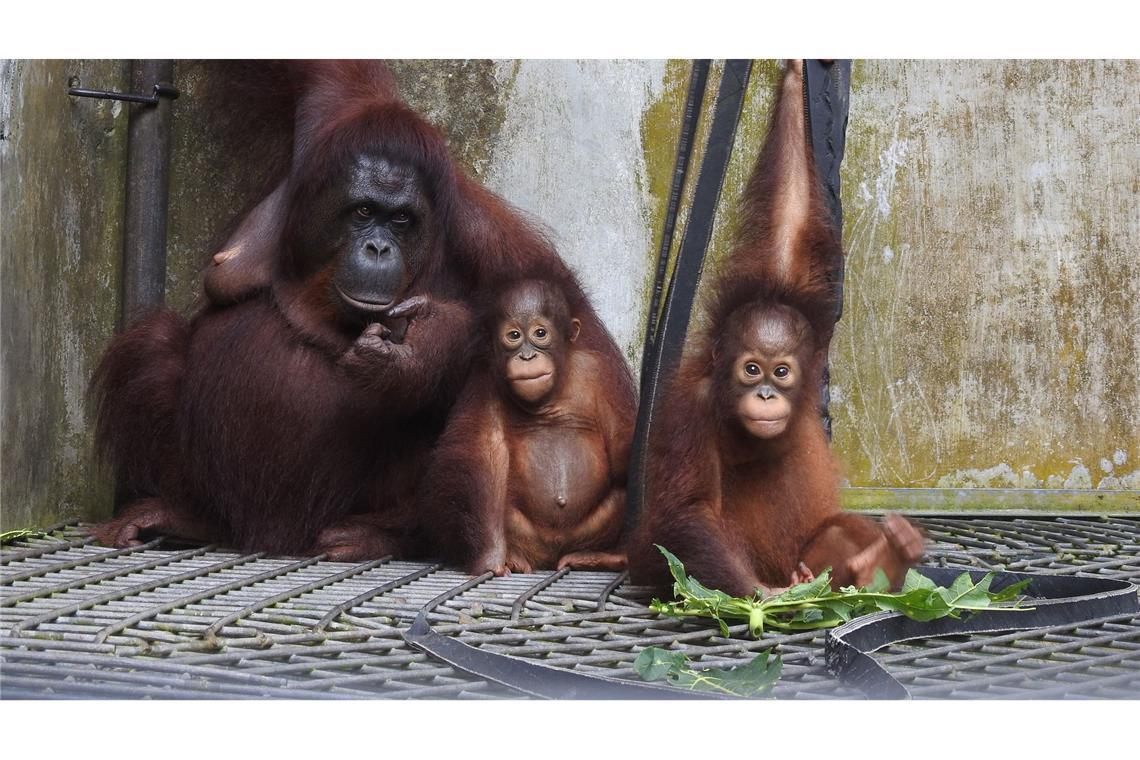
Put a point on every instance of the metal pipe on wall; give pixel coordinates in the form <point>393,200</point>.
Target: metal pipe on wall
<point>148,190</point>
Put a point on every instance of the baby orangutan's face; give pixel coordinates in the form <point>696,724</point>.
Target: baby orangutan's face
<point>768,365</point>
<point>532,347</point>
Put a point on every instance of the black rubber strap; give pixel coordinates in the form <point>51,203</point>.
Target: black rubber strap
<point>1056,600</point>
<point>827,97</point>
<point>531,678</point>
<point>698,80</point>
<point>665,351</point>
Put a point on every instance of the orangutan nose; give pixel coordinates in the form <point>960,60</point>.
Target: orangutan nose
<point>765,392</point>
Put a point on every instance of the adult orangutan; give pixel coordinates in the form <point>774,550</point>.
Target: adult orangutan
<point>296,411</point>
<point>741,484</point>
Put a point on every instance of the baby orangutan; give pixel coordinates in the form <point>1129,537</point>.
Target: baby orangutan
<point>530,472</point>
<point>740,482</point>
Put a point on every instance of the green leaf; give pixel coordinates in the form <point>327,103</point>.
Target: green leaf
<point>654,663</point>
<point>820,585</point>
<point>919,604</point>
<point>688,586</point>
<point>752,680</point>
<point>880,583</point>
<point>1010,592</point>
<point>961,586</point>
<point>915,579</point>
<point>809,615</point>
<point>964,593</point>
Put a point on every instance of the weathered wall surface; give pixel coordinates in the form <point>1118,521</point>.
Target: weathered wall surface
<point>62,179</point>
<point>992,329</point>
<point>990,334</point>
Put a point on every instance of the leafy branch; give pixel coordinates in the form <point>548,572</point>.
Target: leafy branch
<point>813,605</point>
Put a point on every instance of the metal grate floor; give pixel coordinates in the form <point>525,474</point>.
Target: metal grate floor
<point>79,620</point>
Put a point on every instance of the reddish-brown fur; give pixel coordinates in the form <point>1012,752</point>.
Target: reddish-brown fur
<point>742,511</point>
<point>491,495</point>
<point>268,422</point>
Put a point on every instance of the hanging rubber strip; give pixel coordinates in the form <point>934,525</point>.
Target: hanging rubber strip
<point>668,343</point>
<point>698,80</point>
<point>827,96</point>
<point>1055,600</point>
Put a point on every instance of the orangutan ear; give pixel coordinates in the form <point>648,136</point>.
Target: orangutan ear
<point>575,328</point>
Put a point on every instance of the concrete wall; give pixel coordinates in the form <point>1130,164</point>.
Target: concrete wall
<point>62,177</point>
<point>991,336</point>
<point>990,329</point>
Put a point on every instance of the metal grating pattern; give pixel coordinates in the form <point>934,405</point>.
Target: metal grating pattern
<point>79,620</point>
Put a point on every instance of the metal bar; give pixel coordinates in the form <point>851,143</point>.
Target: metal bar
<point>1089,567</point>
<point>59,526</point>
<point>454,592</point>
<point>200,648</point>
<point>70,609</point>
<point>33,689</point>
<point>182,601</point>
<point>1099,684</point>
<point>384,588</point>
<point>89,560</point>
<point>306,660</point>
<point>431,671</point>
<point>1006,639</point>
<point>142,679</point>
<point>148,187</point>
<point>89,580</point>
<point>42,550</point>
<point>605,595</point>
<point>516,608</point>
<point>1026,674</point>
<point>150,664</point>
<point>161,90</point>
<point>213,630</point>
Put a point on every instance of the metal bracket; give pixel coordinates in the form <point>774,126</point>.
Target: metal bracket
<point>161,90</point>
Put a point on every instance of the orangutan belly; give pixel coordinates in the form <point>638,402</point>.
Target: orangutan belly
<point>558,479</point>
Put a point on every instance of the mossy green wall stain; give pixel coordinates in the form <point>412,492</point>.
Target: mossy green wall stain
<point>62,165</point>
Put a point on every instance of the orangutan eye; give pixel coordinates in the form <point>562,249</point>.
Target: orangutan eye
<point>540,332</point>
<point>782,371</point>
<point>400,220</point>
<point>514,335</point>
<point>364,211</point>
<point>752,368</point>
